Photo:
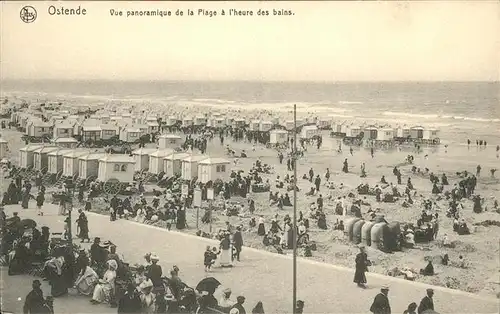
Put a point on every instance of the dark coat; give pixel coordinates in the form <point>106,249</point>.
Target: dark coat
<point>380,305</point>
<point>426,304</point>
<point>238,239</point>
<point>129,303</point>
<point>361,268</point>
<point>34,302</point>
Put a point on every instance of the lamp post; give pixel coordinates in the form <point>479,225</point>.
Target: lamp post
<point>294,163</point>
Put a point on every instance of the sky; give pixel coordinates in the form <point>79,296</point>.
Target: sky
<point>322,41</point>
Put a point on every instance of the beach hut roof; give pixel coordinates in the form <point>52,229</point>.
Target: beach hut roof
<point>214,161</point>
<point>153,123</point>
<point>77,153</point>
<point>41,124</point>
<point>30,148</point>
<point>64,125</point>
<point>45,149</point>
<point>195,158</point>
<point>187,118</point>
<point>162,152</point>
<point>108,127</point>
<point>177,156</point>
<point>93,156</point>
<point>171,136</point>
<point>60,152</point>
<point>238,119</point>
<point>144,151</point>
<point>120,158</point>
<point>3,140</point>
<point>91,128</point>
<point>279,131</point>
<point>418,128</point>
<point>133,130</point>
<point>65,140</point>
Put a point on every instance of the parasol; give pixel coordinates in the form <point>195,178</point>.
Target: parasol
<point>209,284</point>
<point>27,223</point>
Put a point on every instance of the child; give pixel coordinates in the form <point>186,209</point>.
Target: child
<point>209,258</point>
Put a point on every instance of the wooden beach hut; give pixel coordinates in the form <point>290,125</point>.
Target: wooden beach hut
<point>116,166</point>
<point>171,120</point>
<point>88,165</point>
<point>309,131</point>
<point>90,133</point>
<point>211,169</point>
<point>108,131</point>
<point>56,160</point>
<point>70,162</point>
<point>237,123</point>
<point>189,166</point>
<point>417,132</point>
<point>41,158</point>
<point>26,155</point>
<point>38,128</point>
<point>403,132</point>
<point>4,148</point>
<point>218,122</point>
<point>156,164</point>
<point>153,127</point>
<point>187,122</point>
<point>265,126</point>
<point>371,132</point>
<point>385,134</point>
<point>169,141</point>
<point>323,124</point>
<point>338,128</point>
<point>278,136</point>
<point>200,121</point>
<point>66,142</point>
<point>141,158</point>
<point>352,130</point>
<point>130,135</point>
<point>173,163</point>
<point>254,125</point>
<point>63,130</point>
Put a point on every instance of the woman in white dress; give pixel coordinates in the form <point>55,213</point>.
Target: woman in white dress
<point>141,215</point>
<point>147,297</point>
<point>86,281</point>
<point>106,286</point>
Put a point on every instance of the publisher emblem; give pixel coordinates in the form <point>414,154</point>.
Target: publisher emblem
<point>28,14</point>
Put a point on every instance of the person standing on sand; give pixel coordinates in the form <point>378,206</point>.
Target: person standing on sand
<point>498,151</point>
<point>478,170</point>
<point>381,304</point>
<point>362,263</point>
<point>327,174</point>
<point>372,152</point>
<point>345,168</point>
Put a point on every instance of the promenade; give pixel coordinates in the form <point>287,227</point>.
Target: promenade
<point>260,276</point>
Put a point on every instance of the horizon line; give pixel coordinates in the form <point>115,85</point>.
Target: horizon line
<point>244,81</point>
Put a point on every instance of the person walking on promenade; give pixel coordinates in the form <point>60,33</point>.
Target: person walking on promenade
<point>381,304</point>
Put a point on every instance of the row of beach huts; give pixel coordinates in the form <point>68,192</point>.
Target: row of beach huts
<point>87,164</point>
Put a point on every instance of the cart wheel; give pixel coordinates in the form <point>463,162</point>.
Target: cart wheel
<point>112,187</point>
<point>89,180</point>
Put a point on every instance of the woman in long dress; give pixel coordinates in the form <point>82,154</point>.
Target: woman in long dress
<point>106,286</point>
<point>147,297</point>
<point>86,281</point>
<point>225,248</point>
<point>361,267</point>
<point>261,230</point>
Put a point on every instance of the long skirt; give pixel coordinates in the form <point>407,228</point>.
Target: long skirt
<point>359,276</point>
<point>102,293</point>
<point>87,285</point>
<point>58,286</point>
<point>261,230</point>
<point>225,258</point>
<point>25,201</point>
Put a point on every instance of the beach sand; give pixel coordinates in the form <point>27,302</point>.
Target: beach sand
<point>481,248</point>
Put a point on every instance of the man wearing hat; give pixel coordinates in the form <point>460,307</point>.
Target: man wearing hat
<point>155,272</point>
<point>381,304</point>
<point>34,302</point>
<point>239,306</point>
<point>427,303</point>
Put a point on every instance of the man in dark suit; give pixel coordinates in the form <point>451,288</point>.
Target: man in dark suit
<point>381,304</point>
<point>427,303</point>
<point>237,242</point>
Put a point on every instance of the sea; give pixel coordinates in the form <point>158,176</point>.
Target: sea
<point>461,110</point>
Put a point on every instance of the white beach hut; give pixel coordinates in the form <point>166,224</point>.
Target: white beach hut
<point>88,165</point>
<point>171,120</point>
<point>218,122</point>
<point>38,128</point>
<point>56,160</point>
<point>237,123</point>
<point>338,127</point>
<point>254,125</point>
<point>323,123</point>
<point>403,132</point>
<point>41,158</point>
<point>431,134</point>
<point>385,134</point>
<point>141,158</point>
<point>371,132</point>
<point>200,121</point>
<point>169,141</point>
<point>130,135</point>
<point>153,127</point>
<point>66,142</point>
<point>278,136</point>
<point>108,131</point>
<point>156,164</point>
<point>70,162</point>
<point>189,166</point>
<point>265,126</point>
<point>26,155</point>
<point>4,148</point>
<point>309,131</point>
<point>173,163</point>
<point>63,130</point>
<point>187,122</point>
<point>211,169</point>
<point>116,166</point>
<point>351,130</point>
